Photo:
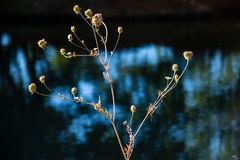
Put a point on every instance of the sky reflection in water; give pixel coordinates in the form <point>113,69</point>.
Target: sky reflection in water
<point>201,123</point>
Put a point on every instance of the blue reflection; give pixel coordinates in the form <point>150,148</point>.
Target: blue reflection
<point>40,67</point>
<point>19,70</point>
<point>86,90</point>
<point>84,124</point>
<point>146,55</point>
<point>5,39</point>
<point>60,105</point>
<point>215,74</point>
<point>215,142</point>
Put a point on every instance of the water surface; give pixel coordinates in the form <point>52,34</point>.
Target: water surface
<point>198,120</point>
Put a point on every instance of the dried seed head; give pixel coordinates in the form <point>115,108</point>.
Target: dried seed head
<point>176,78</point>
<point>70,37</point>
<point>93,52</point>
<point>42,79</point>
<point>168,78</point>
<point>133,109</point>
<point>120,30</point>
<point>88,13</point>
<point>77,9</point>
<point>32,88</point>
<point>97,19</point>
<point>73,29</point>
<point>74,91</point>
<point>175,67</point>
<point>62,51</point>
<point>188,55</point>
<point>42,43</point>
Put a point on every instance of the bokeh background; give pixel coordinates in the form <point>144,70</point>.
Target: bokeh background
<point>199,120</point>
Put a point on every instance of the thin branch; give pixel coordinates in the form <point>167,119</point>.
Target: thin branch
<point>131,118</point>
<point>118,138</point>
<point>81,41</point>
<point>119,35</point>
<point>184,69</point>
<point>78,45</point>
<point>96,40</point>
<point>113,101</point>
<point>105,42</point>
<point>47,87</point>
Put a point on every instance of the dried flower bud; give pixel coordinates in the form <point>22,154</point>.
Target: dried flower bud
<point>187,55</point>
<point>175,67</point>
<point>120,30</point>
<point>73,29</point>
<point>93,52</point>
<point>133,109</point>
<point>168,78</point>
<point>176,78</point>
<point>97,19</point>
<point>42,43</point>
<point>42,79</point>
<point>77,9</point>
<point>70,37</point>
<point>88,13</point>
<point>32,88</point>
<point>62,51</point>
<point>74,91</point>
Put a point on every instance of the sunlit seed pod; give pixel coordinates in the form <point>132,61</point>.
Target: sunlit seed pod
<point>176,78</point>
<point>74,91</point>
<point>120,30</point>
<point>188,55</point>
<point>77,9</point>
<point>42,43</point>
<point>175,67</point>
<point>88,13</point>
<point>133,109</point>
<point>168,78</point>
<point>70,37</point>
<point>92,53</point>
<point>97,19</point>
<point>32,88</point>
<point>42,79</point>
<point>73,29</point>
<point>62,51</point>
<point>69,53</point>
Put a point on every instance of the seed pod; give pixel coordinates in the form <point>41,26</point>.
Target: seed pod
<point>188,55</point>
<point>42,79</point>
<point>88,13</point>
<point>74,91</point>
<point>77,9</point>
<point>120,30</point>
<point>133,109</point>
<point>168,78</point>
<point>70,37</point>
<point>73,29</point>
<point>176,78</point>
<point>62,51</point>
<point>175,67</point>
<point>32,88</point>
<point>97,19</point>
<point>42,43</point>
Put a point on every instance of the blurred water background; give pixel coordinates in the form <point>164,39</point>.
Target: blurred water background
<point>199,120</point>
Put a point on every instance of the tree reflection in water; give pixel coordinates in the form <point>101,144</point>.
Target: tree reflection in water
<point>200,120</point>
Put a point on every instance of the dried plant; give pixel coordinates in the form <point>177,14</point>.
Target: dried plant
<point>96,23</point>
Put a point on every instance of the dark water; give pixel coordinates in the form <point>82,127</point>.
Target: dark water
<point>199,120</point>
